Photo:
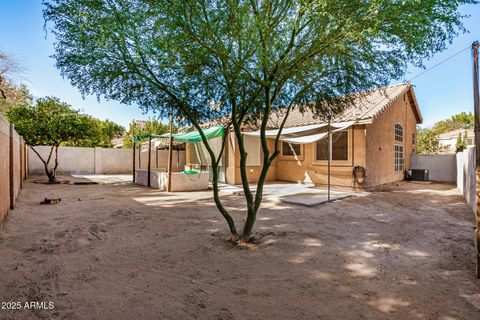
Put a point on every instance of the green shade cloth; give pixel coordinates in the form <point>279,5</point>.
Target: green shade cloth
<point>145,136</point>
<point>192,136</point>
<point>190,171</point>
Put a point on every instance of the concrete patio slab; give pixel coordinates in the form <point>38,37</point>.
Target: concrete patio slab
<point>296,193</point>
<point>313,199</point>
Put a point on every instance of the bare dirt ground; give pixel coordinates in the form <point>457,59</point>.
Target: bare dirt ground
<point>127,252</point>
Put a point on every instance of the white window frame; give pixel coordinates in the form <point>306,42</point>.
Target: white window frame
<point>395,135</point>
<point>399,162</point>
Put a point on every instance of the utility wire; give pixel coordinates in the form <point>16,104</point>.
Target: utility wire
<point>418,75</point>
<point>436,65</point>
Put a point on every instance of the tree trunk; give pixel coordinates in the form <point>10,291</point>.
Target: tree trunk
<point>50,173</point>
<point>54,171</point>
<point>254,204</point>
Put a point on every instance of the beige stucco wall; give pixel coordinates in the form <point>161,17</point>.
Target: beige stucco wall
<point>180,181</point>
<point>103,160</point>
<point>70,159</point>
<point>306,169</point>
<point>253,172</point>
<point>158,159</point>
<point>232,160</point>
<point>380,141</point>
<point>370,146</point>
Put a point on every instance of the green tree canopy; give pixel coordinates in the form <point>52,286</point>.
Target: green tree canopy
<point>463,120</point>
<point>143,127</point>
<point>241,60</point>
<point>427,138</point>
<point>50,122</point>
<point>103,132</point>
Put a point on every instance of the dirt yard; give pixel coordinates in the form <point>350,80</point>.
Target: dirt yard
<point>127,252</point>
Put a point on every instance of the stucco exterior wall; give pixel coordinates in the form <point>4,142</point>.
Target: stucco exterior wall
<point>371,146</point>
<point>158,159</point>
<point>180,181</point>
<point>78,160</point>
<point>465,170</point>
<point>441,167</point>
<point>253,172</point>
<point>306,170</point>
<point>380,142</point>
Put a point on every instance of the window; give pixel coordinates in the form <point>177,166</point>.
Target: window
<point>398,133</point>
<point>252,147</point>
<point>291,149</point>
<point>339,147</point>
<point>398,158</point>
<point>414,139</point>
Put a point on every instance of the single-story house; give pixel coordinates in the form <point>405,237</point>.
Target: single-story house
<point>448,140</point>
<point>377,134</point>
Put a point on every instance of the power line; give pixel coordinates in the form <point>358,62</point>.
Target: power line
<point>436,65</point>
<point>418,75</point>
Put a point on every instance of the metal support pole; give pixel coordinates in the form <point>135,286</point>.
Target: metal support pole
<point>149,159</point>
<point>25,160</point>
<point>329,153</point>
<point>170,155</point>
<point>476,102</point>
<point>20,148</point>
<point>133,162</point>
<point>139,154</point>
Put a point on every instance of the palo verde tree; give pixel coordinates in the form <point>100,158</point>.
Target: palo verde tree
<point>50,123</point>
<point>241,61</point>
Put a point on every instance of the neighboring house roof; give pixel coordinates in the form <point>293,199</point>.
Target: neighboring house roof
<point>140,124</point>
<point>454,134</point>
<point>117,142</point>
<point>364,109</point>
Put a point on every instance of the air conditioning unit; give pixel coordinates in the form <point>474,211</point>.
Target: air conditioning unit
<point>418,174</point>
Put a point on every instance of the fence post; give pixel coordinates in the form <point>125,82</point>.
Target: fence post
<point>20,151</point>
<point>12,187</point>
<point>25,161</point>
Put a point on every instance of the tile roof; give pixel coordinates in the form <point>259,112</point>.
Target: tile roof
<point>454,134</point>
<point>363,110</point>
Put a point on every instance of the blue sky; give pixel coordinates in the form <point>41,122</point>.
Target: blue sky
<point>441,92</point>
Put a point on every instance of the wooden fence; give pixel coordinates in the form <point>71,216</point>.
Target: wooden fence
<point>13,167</point>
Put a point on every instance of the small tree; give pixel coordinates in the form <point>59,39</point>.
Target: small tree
<point>459,144</point>
<point>50,123</point>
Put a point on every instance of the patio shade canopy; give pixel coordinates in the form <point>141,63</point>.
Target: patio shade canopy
<point>304,134</point>
<point>286,131</point>
<point>192,136</point>
<point>145,136</point>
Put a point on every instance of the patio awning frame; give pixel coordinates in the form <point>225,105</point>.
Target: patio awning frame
<point>304,134</point>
